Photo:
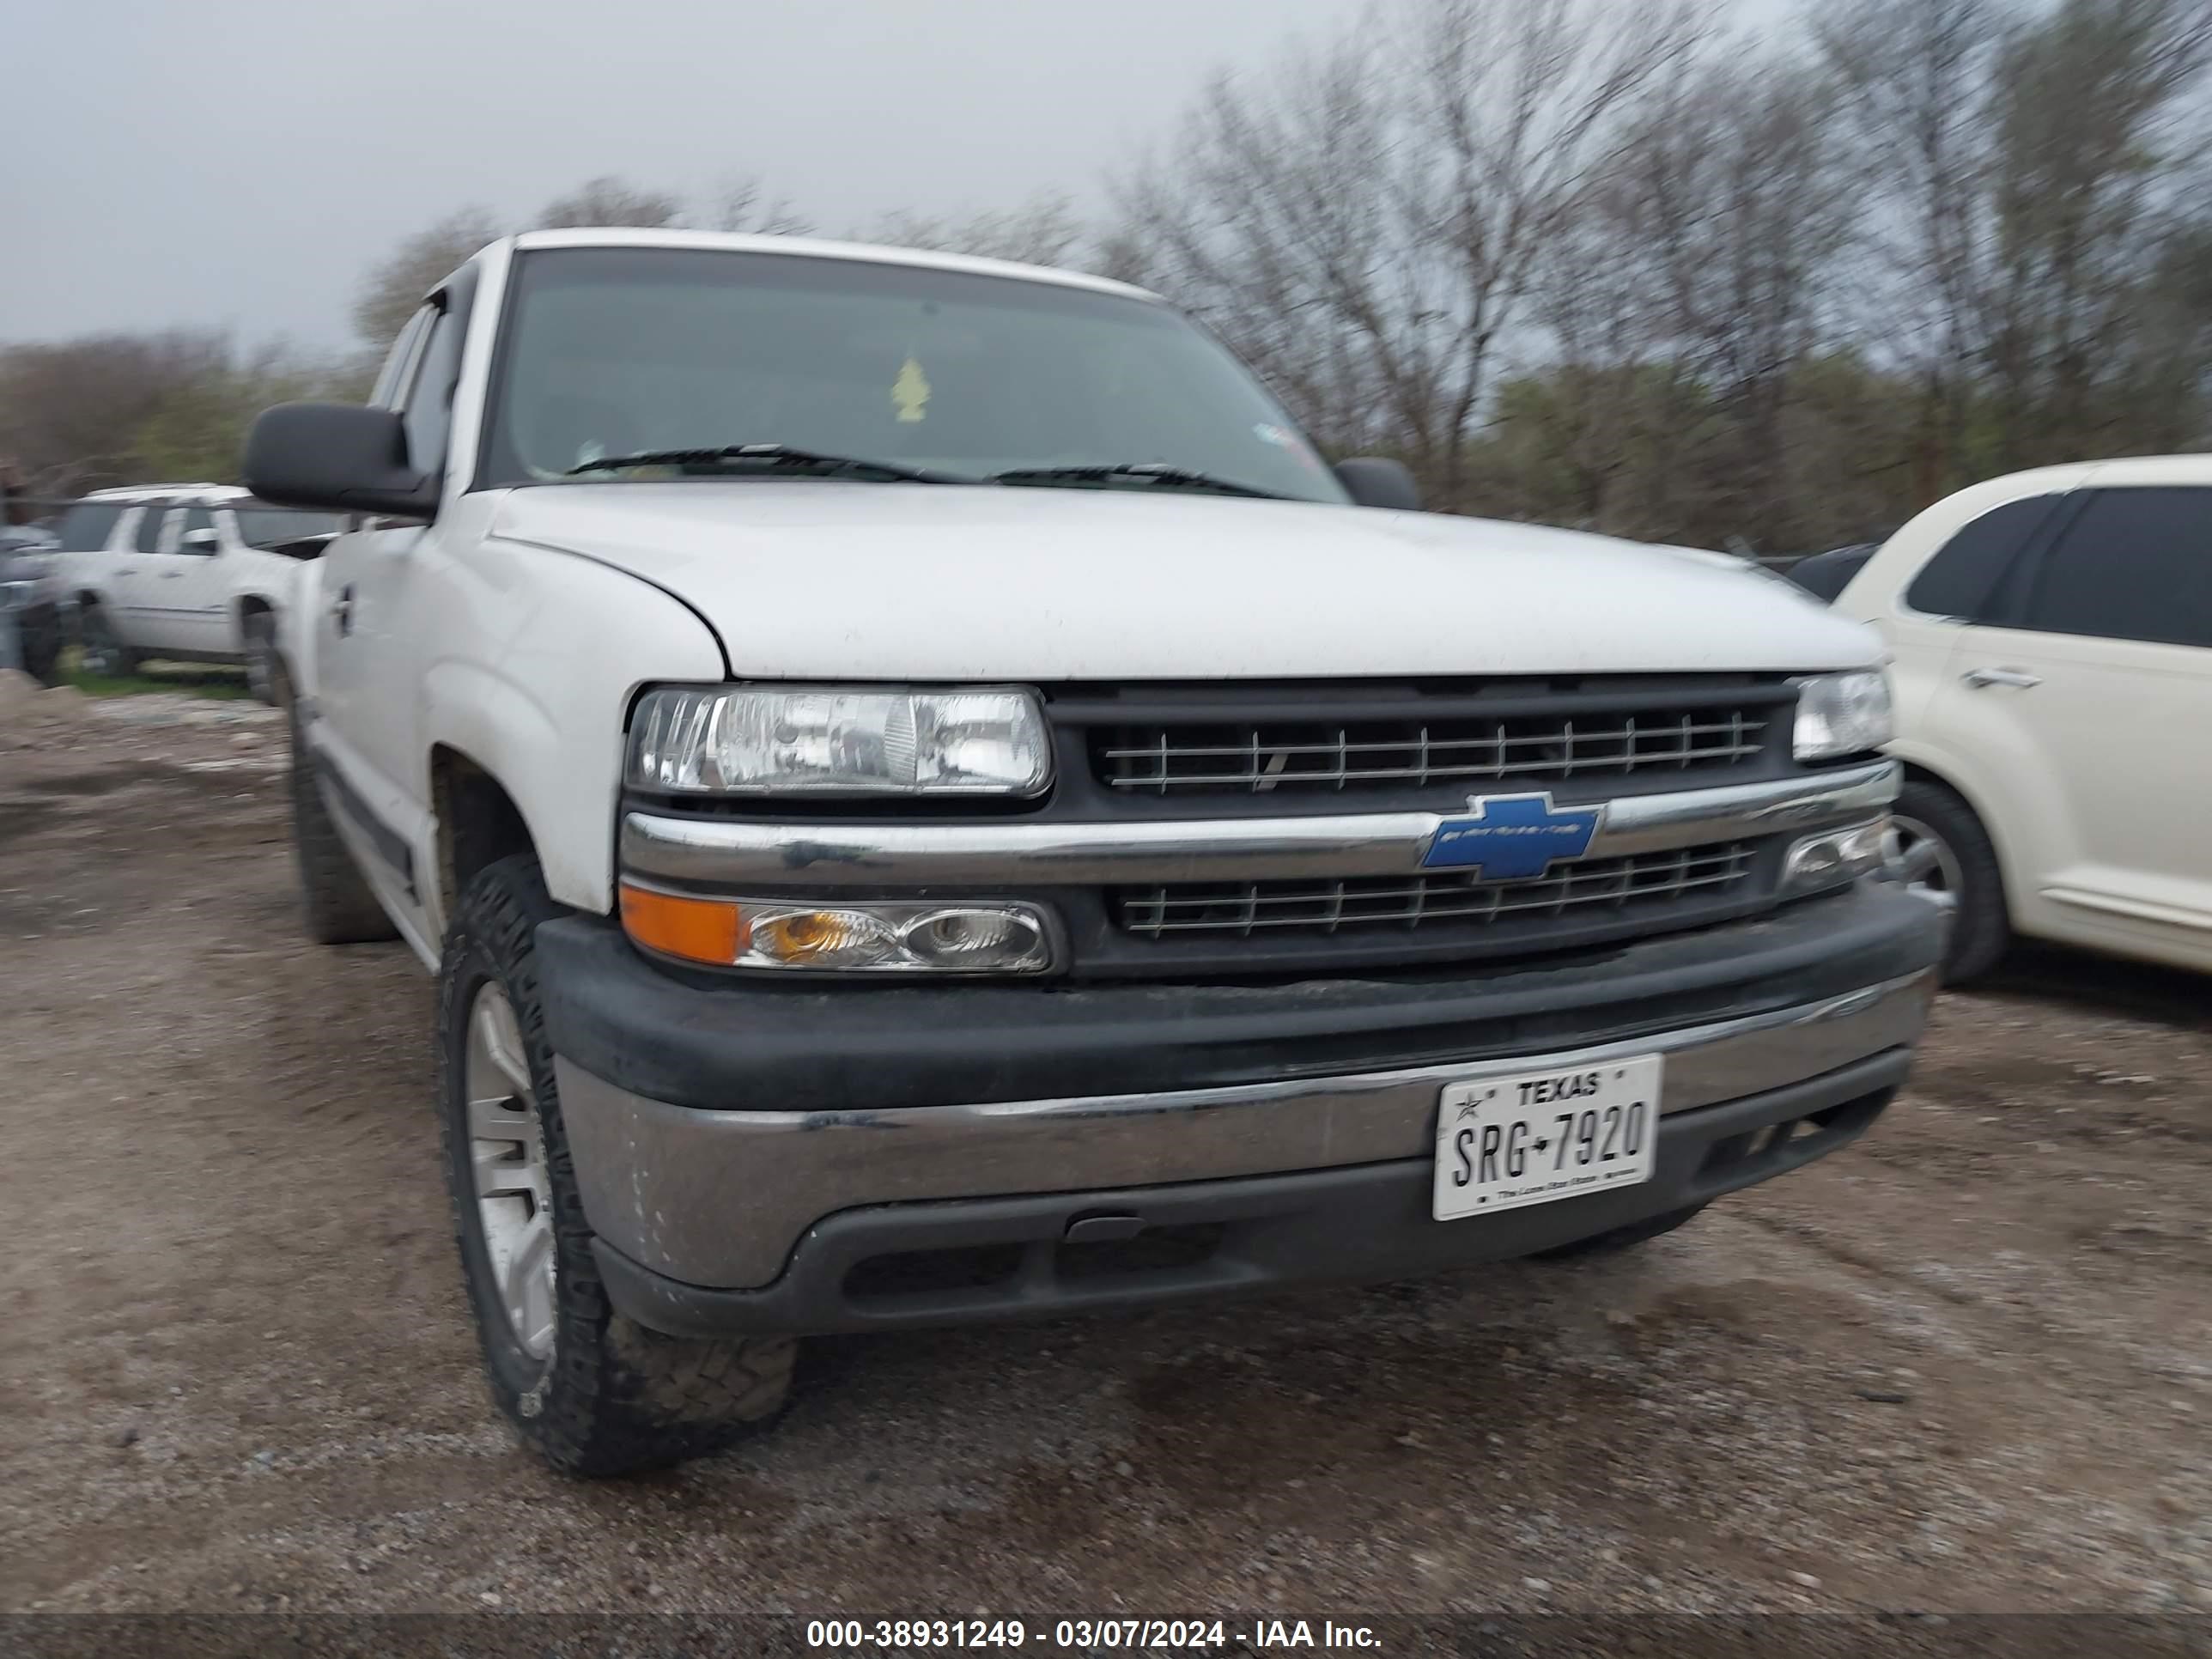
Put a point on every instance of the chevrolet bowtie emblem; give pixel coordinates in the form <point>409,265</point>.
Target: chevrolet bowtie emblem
<point>1512,837</point>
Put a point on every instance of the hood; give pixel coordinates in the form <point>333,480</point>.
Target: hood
<point>832,580</point>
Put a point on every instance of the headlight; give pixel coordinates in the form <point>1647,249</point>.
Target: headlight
<point>719,740</point>
<point>863,937</point>
<point>1842,714</point>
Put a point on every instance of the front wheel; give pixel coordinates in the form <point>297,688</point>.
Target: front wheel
<point>38,636</point>
<point>260,643</point>
<point>592,1392</point>
<point>1964,867</point>
<point>103,653</point>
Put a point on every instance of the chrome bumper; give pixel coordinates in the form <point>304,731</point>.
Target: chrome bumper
<point>716,853</point>
<point>720,1198</point>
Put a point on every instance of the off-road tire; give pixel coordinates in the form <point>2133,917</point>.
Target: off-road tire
<point>260,639</point>
<point>102,652</point>
<point>40,639</point>
<point>334,896</point>
<point>613,1397</point>
<point>1981,929</point>
<point>1621,1238</point>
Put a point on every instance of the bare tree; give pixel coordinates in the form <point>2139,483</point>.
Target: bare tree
<point>1044,230</point>
<point>1913,72</point>
<point>2083,106</point>
<point>609,200</point>
<point>395,286</point>
<point>741,201</point>
<point>2032,164</point>
<point>1717,231</point>
<point>1368,224</point>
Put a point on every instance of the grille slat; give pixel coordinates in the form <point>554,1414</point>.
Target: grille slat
<point>1277,754</point>
<point>1645,880</point>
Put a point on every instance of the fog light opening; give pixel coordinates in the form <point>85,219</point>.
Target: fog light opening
<point>1829,860</point>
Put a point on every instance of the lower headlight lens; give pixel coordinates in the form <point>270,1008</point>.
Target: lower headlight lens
<point>963,939</point>
<point>1817,862</point>
<point>1840,714</point>
<point>793,936</point>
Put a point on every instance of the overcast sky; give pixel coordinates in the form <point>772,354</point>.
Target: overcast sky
<point>239,163</point>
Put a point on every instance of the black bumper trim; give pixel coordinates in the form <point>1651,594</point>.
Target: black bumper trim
<point>1364,1223</point>
<point>697,1041</point>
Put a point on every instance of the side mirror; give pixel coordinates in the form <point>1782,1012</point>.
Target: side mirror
<point>340,458</point>
<point>1375,483</point>
<point>200,541</point>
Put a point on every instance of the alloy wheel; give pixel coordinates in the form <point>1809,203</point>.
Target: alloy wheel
<point>507,1162</point>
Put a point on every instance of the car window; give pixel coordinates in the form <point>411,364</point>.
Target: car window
<point>150,526</point>
<point>429,407</point>
<point>614,351</point>
<point>272,526</point>
<point>2135,564</point>
<point>1961,580</point>
<point>392,375</point>
<point>197,517</point>
<point>1825,575</point>
<point>86,524</point>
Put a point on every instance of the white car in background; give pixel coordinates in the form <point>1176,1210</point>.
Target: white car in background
<point>2051,636</point>
<point>187,572</point>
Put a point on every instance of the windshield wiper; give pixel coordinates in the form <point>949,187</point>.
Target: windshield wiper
<point>1157,475</point>
<point>770,458</point>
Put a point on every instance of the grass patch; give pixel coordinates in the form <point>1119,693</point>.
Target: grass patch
<point>193,679</point>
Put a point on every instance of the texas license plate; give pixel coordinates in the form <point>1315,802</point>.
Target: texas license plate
<point>1536,1137</point>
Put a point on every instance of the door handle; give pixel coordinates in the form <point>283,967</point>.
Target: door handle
<point>2019,679</point>
<point>341,610</point>
<point>171,575</point>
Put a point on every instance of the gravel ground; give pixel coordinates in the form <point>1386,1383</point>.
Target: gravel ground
<point>1965,1365</point>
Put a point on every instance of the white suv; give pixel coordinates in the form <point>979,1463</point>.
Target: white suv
<point>189,573</point>
<point>2052,640</point>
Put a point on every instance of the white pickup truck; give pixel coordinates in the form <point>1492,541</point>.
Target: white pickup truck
<point>929,801</point>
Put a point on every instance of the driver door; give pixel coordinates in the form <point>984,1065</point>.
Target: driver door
<point>366,656</point>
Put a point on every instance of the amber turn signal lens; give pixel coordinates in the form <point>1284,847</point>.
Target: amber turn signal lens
<point>698,930</point>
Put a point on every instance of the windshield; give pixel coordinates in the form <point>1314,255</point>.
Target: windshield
<point>272,526</point>
<point>619,351</point>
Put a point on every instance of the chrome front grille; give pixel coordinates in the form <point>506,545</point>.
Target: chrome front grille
<point>1277,754</point>
<point>1642,885</point>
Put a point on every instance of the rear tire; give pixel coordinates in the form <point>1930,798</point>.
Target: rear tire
<point>1621,1238</point>
<point>260,641</point>
<point>340,908</point>
<point>591,1392</point>
<point>102,652</point>
<point>40,637</point>
<point>1966,868</point>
